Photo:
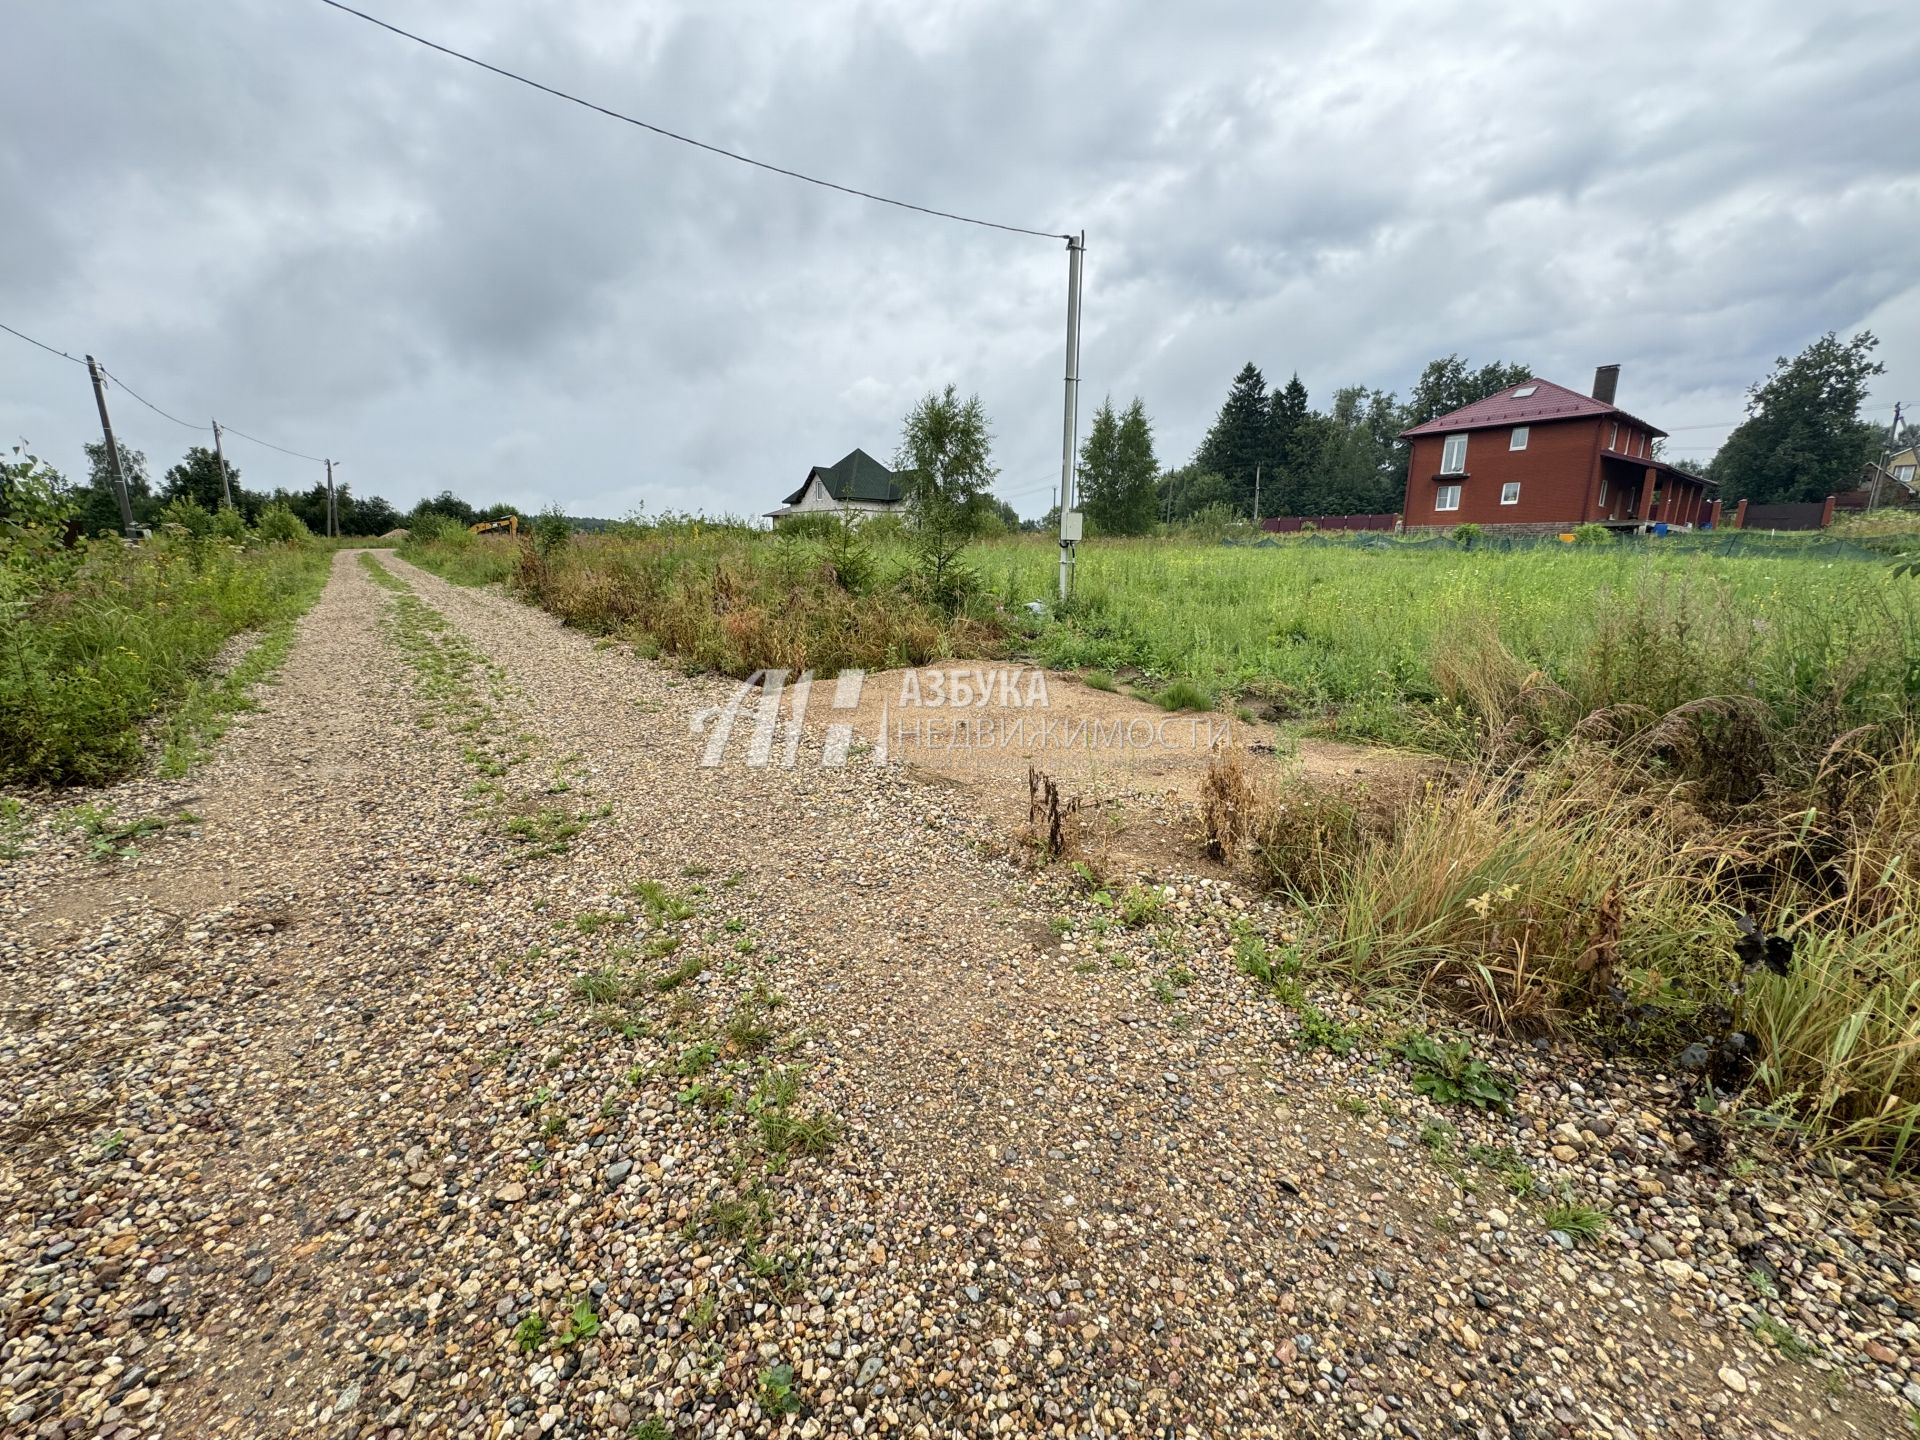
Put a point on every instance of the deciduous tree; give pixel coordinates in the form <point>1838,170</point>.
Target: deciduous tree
<point>945,464</point>
<point>197,478</point>
<point>1803,438</point>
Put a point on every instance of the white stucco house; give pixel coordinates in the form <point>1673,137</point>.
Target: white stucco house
<point>858,484</point>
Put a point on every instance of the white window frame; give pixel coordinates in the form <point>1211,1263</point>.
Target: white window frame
<point>1458,466</point>
<point>1518,439</point>
<point>1603,492</point>
<point>1903,472</point>
<point>1614,443</point>
<point>1510,493</point>
<point>1442,495</point>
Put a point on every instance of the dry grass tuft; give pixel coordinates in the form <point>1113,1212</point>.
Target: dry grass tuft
<point>1595,887</point>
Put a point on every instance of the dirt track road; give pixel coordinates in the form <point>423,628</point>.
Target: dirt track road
<point>479,1063</point>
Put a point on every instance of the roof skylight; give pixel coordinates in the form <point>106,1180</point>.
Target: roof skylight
<point>1524,391</point>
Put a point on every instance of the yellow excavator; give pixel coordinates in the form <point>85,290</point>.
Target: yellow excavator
<point>505,525</point>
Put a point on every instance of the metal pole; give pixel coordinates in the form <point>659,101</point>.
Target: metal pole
<point>113,449</point>
<point>330,498</point>
<point>226,489</point>
<point>1256,495</point>
<point>1070,424</point>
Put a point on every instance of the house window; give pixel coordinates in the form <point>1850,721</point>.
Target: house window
<point>1518,440</point>
<point>1903,473</point>
<point>1510,493</point>
<point>1524,391</point>
<point>1453,456</point>
<point>1614,443</point>
<point>1447,497</point>
<point>1603,492</point>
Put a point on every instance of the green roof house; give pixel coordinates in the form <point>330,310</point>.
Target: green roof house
<point>858,484</point>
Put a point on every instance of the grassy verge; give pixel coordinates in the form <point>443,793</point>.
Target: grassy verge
<point>101,639</point>
<point>732,600</point>
<point>209,705</point>
<point>465,559</point>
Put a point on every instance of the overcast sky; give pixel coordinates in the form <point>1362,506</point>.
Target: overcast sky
<point>273,213</point>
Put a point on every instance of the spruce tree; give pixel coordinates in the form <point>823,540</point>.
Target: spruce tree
<point>1237,443</point>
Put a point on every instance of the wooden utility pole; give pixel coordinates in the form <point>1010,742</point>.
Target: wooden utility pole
<point>1880,470</point>
<point>113,449</point>
<point>226,489</point>
<point>331,524</point>
<point>1256,495</point>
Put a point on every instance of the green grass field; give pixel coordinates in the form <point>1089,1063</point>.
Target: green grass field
<point>1388,642</point>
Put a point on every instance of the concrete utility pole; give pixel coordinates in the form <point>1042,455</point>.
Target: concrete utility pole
<point>1256,495</point>
<point>1070,425</point>
<point>226,489</point>
<point>113,449</point>
<point>330,518</point>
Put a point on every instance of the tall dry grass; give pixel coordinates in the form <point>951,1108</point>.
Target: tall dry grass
<point>737,603</point>
<point>1594,887</point>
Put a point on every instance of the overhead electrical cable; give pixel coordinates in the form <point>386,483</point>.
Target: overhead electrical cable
<point>667,134</point>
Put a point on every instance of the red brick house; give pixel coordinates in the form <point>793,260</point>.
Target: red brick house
<point>1542,457</point>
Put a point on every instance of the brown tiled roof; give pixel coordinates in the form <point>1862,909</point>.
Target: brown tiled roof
<point>1548,402</point>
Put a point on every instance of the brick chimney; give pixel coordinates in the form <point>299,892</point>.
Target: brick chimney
<point>1606,382</point>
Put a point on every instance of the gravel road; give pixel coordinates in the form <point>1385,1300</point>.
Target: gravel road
<point>464,1058</point>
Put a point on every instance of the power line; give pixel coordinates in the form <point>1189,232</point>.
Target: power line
<point>187,424</point>
<point>148,403</point>
<point>297,454</point>
<point>42,344</point>
<point>685,139</point>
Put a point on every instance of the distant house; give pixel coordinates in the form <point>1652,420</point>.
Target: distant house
<point>1903,468</point>
<point>1893,484</point>
<point>1904,465</point>
<point>858,484</point>
<point>1544,458</point>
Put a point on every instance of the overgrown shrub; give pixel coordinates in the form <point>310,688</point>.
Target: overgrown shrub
<point>278,525</point>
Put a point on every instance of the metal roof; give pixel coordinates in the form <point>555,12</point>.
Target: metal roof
<point>1548,402</point>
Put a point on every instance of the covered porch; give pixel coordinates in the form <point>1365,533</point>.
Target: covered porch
<point>1637,491</point>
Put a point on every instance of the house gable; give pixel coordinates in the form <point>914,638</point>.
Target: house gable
<point>856,477</point>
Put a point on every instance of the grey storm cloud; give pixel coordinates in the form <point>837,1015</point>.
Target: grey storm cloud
<point>271,212</point>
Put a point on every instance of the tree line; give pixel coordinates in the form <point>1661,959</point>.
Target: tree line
<point>195,478</point>
<point>1269,450</point>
